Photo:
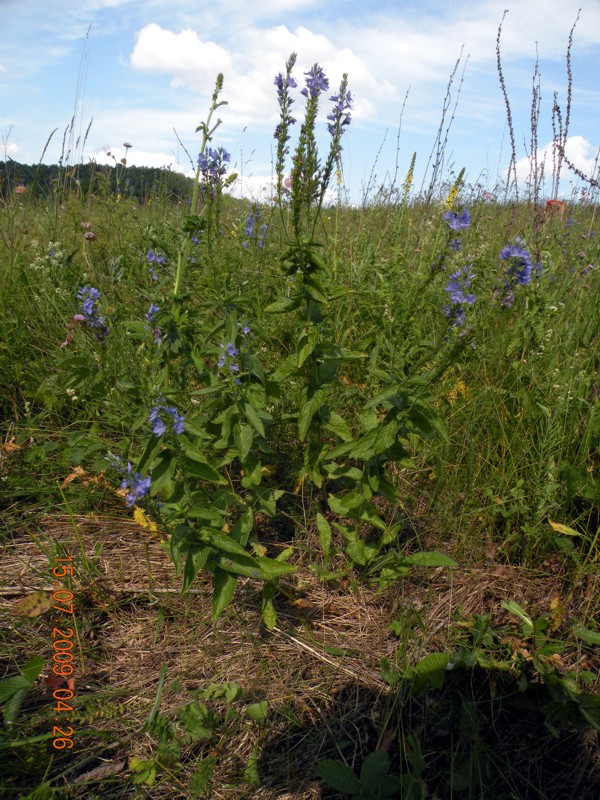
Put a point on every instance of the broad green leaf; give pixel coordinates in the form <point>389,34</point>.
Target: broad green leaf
<point>198,467</point>
<point>243,439</point>
<point>194,562</point>
<point>223,591</point>
<point>339,776</point>
<point>374,769</point>
<point>254,419</point>
<point>585,634</point>
<point>429,673</point>
<point>306,345</point>
<point>282,306</point>
<point>430,559</point>
<point>308,408</point>
<point>258,711</point>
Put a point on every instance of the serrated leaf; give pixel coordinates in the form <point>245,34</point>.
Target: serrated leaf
<point>374,769</point>
<point>339,776</point>
<point>430,672</point>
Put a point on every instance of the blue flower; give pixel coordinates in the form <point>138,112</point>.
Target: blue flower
<point>458,289</point>
<point>520,267</point>
<point>89,295</point>
<point>157,418</point>
<point>155,258</point>
<point>316,82</point>
<point>139,485</point>
<point>213,164</point>
<point>154,309</point>
<point>457,221</point>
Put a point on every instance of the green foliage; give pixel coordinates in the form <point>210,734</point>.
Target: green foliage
<point>375,782</point>
<point>13,690</point>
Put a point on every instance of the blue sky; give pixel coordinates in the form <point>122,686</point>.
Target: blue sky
<point>142,69</point>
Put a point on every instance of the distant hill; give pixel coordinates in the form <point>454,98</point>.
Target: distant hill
<point>44,180</point>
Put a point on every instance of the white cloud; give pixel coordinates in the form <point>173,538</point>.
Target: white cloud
<point>184,55</point>
<point>578,150</point>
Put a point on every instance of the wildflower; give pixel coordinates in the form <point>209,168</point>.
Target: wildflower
<point>213,164</point>
<point>228,356</point>
<point>20,189</point>
<point>152,311</point>
<point>519,268</point>
<point>89,295</point>
<point>459,295</point>
<point>90,236</point>
<point>316,82</point>
<point>457,221</point>
<point>456,244</point>
<point>139,486</point>
<point>155,258</point>
<point>157,418</point>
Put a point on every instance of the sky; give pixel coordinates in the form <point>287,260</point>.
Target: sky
<point>143,72</point>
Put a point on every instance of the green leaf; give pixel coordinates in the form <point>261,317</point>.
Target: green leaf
<point>243,438</point>
<point>373,771</point>
<point>198,467</point>
<point>339,776</point>
<point>258,711</point>
<point>32,669</point>
<point>282,306</point>
<point>519,612</point>
<point>306,345</point>
<point>585,634</point>
<point>13,704</point>
<point>430,559</point>
<point>429,673</point>
<point>308,408</point>
<point>223,591</point>
<point>194,562</point>
<point>254,419</point>
<point>324,529</point>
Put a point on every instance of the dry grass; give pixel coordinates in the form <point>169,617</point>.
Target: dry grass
<point>318,669</point>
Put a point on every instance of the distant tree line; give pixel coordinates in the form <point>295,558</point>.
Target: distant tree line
<point>141,183</point>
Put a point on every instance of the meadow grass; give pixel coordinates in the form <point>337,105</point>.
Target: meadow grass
<point>370,432</point>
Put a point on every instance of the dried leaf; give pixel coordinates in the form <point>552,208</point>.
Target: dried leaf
<point>32,605</point>
<point>143,520</point>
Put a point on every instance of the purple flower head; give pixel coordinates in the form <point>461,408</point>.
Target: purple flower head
<point>456,244</point>
<point>152,311</point>
<point>250,220</point>
<point>457,220</point>
<point>213,164</point>
<point>520,267</point>
<point>159,415</point>
<point>282,83</point>
<point>340,113</point>
<point>316,82</point>
<point>459,295</point>
<point>155,258</point>
<point>139,485</point>
<point>89,296</point>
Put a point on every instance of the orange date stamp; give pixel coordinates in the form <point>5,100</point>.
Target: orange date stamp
<point>62,646</point>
